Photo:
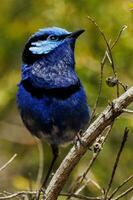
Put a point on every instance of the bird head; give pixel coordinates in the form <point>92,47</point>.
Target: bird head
<point>48,58</point>
<point>46,41</point>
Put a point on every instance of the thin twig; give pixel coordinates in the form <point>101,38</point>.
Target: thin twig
<point>109,128</point>
<point>102,66</point>
<point>108,52</point>
<point>128,111</point>
<point>119,35</point>
<point>123,85</point>
<point>99,93</point>
<point>107,44</point>
<point>80,196</point>
<point>124,193</point>
<point>81,178</point>
<point>97,186</point>
<point>124,139</point>
<point>82,187</point>
<point>18,194</point>
<point>120,186</point>
<point>8,162</point>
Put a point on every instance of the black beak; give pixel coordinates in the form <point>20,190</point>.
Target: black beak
<point>76,34</point>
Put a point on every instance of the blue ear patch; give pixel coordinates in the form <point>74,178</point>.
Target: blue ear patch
<point>43,47</point>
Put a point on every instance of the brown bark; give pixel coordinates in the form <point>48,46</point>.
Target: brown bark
<point>95,129</point>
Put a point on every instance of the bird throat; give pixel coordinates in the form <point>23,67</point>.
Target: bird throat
<point>55,70</point>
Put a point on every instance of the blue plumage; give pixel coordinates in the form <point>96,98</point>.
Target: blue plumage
<point>51,98</point>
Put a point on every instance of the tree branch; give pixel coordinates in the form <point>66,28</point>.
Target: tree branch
<point>76,153</point>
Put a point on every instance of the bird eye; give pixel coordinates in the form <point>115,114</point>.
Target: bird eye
<point>53,37</point>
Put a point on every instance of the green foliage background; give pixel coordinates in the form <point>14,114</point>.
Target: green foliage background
<point>18,20</point>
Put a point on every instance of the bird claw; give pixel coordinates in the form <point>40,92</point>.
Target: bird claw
<point>78,138</point>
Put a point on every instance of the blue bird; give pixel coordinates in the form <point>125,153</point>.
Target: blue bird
<point>51,99</point>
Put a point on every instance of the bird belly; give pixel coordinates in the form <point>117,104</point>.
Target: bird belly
<point>54,119</point>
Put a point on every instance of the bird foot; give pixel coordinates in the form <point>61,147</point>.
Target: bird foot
<point>78,139</point>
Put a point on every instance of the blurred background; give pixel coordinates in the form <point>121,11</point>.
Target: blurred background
<point>18,20</point>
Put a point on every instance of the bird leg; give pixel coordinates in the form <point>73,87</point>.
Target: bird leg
<point>55,156</point>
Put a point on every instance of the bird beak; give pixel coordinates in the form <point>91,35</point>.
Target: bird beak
<point>76,34</point>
